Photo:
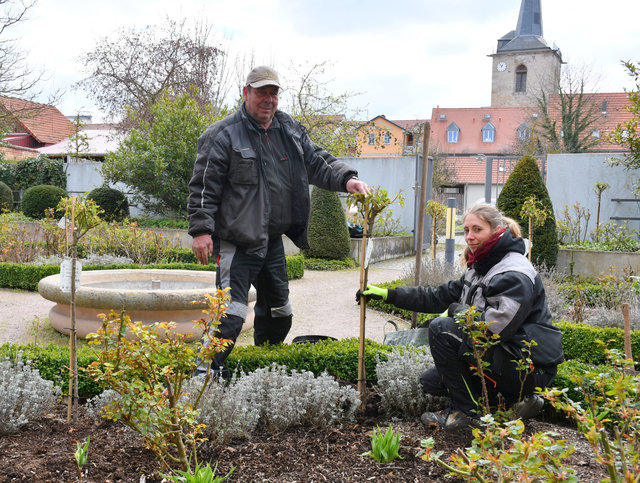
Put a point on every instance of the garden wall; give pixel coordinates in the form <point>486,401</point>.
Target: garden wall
<point>572,178</point>
<point>384,248</point>
<point>590,263</point>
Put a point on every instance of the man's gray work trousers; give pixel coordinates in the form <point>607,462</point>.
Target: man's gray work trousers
<point>239,270</point>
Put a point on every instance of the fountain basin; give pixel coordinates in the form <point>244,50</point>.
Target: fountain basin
<point>147,295</point>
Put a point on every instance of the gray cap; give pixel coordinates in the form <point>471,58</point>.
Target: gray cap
<point>263,76</point>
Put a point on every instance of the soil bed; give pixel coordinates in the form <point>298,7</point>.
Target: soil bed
<point>43,451</point>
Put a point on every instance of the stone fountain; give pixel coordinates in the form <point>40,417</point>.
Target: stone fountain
<point>147,295</point>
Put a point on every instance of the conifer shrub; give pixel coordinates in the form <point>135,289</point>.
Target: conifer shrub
<point>328,232</point>
<point>525,181</point>
<point>37,199</point>
<point>113,202</point>
<point>6,198</point>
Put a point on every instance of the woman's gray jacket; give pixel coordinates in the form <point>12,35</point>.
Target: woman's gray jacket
<point>507,291</point>
<point>229,197</point>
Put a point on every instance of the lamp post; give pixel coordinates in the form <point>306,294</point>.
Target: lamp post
<point>488,175</point>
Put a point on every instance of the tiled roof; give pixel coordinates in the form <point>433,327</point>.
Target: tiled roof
<point>611,108</point>
<point>469,170</point>
<point>409,124</point>
<point>470,121</point>
<point>101,142</point>
<point>45,123</point>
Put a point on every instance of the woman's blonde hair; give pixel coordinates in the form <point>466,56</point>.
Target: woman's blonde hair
<point>495,218</point>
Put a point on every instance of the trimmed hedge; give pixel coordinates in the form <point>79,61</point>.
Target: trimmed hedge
<point>322,264</point>
<point>579,342</point>
<point>52,361</point>
<point>26,276</point>
<point>328,232</point>
<point>338,358</point>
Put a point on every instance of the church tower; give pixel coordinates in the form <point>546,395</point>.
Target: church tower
<point>524,65</point>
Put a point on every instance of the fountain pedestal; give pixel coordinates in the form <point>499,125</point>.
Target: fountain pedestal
<point>146,295</point>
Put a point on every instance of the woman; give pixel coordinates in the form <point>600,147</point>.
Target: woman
<point>507,291</point>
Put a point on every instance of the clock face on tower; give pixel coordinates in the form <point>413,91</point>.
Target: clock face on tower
<point>501,66</point>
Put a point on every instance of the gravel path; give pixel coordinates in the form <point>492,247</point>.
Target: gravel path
<point>323,304</point>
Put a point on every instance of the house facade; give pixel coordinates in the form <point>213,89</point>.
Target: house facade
<point>31,126</point>
<point>381,137</point>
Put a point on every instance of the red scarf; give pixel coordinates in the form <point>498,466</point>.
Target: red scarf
<point>484,249</point>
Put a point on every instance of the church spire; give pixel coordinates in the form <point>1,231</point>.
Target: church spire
<point>530,18</point>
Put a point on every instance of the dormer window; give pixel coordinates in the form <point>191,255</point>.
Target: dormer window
<point>524,131</point>
<point>521,78</point>
<point>488,133</point>
<point>453,133</point>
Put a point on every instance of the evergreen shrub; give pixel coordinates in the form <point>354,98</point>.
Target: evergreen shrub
<point>579,341</point>
<point>337,358</point>
<point>322,264</point>
<point>26,276</point>
<point>113,202</point>
<point>6,198</point>
<point>37,199</point>
<point>525,181</point>
<point>328,232</point>
<point>38,171</point>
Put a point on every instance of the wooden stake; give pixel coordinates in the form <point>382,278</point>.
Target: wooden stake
<point>530,236</point>
<point>362,376</point>
<point>627,332</point>
<point>73,358</point>
<point>421,207</point>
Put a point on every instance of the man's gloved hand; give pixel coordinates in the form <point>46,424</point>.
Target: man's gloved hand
<point>372,292</point>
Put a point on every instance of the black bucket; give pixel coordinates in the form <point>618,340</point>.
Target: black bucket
<point>311,339</point>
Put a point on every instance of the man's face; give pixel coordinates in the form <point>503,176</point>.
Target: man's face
<point>261,103</point>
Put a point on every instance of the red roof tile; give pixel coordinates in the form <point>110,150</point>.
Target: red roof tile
<point>45,123</point>
<point>471,121</point>
<point>612,110</point>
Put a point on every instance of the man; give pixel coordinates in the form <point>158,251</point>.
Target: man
<point>250,185</point>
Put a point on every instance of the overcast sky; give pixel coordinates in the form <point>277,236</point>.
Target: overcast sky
<point>404,57</point>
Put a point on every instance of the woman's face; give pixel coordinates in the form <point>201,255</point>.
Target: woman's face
<point>476,231</point>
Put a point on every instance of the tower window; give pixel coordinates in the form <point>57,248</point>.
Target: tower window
<point>521,78</point>
<point>453,132</point>
<point>488,133</point>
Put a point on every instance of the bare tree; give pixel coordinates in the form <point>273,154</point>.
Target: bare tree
<point>18,80</point>
<point>328,118</point>
<point>566,119</point>
<point>132,69</point>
